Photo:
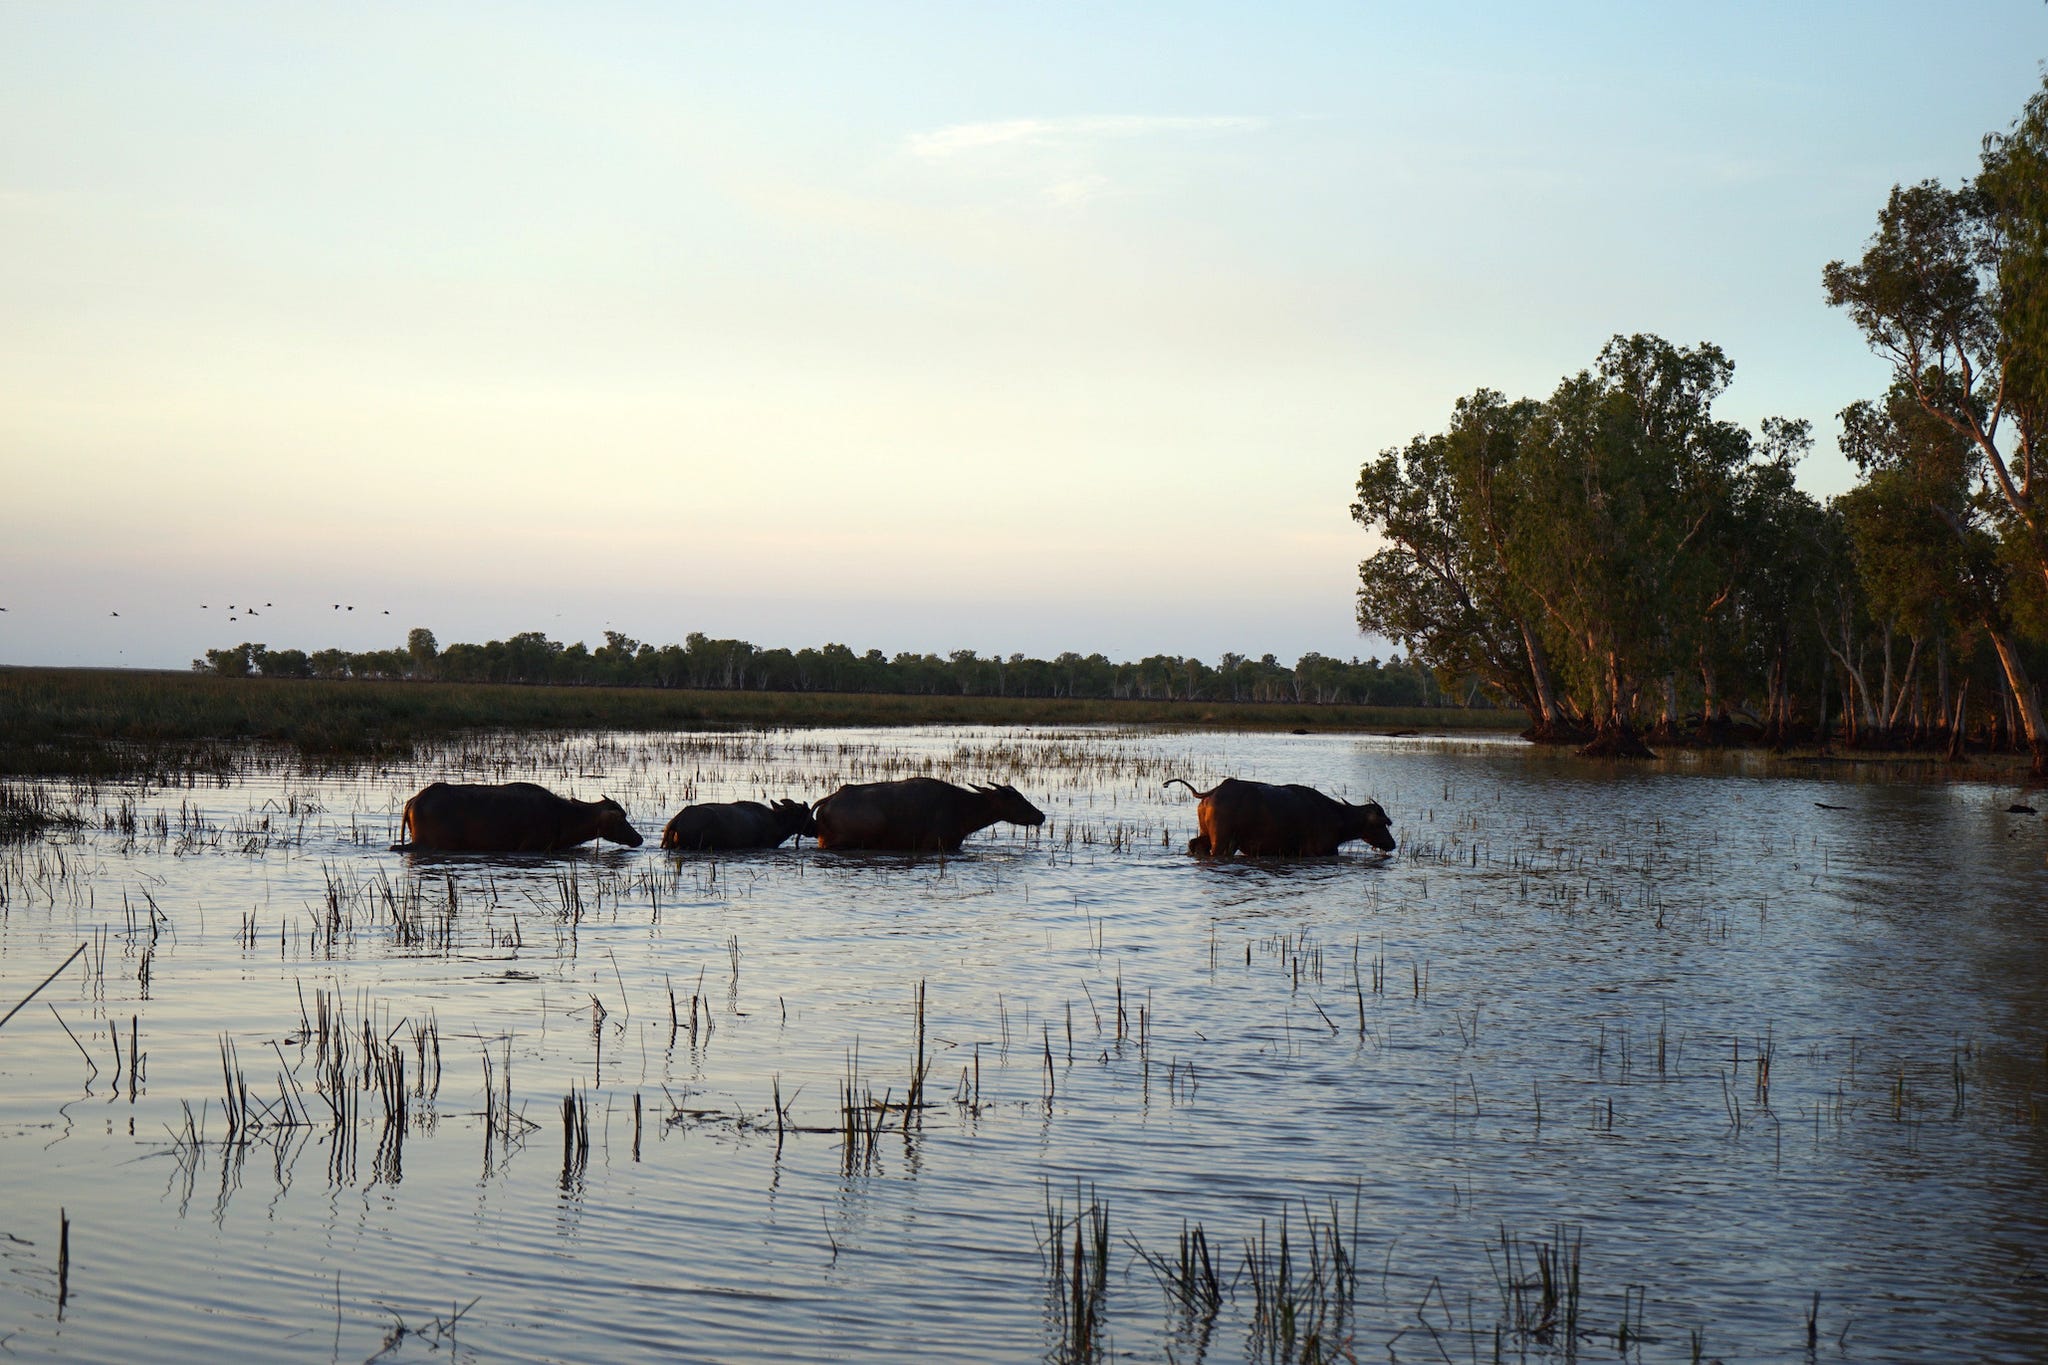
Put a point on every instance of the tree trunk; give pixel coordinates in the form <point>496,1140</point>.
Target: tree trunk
<point>1883,718</point>
<point>1852,731</point>
<point>1710,703</point>
<point>1771,724</point>
<point>1617,739</point>
<point>2026,701</point>
<point>1614,734</point>
<point>1956,728</point>
<point>1822,733</point>
<point>1550,720</point>
<point>1668,721</point>
<point>1908,681</point>
<point>1941,671</point>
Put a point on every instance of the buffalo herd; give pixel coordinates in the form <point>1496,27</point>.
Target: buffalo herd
<point>913,815</point>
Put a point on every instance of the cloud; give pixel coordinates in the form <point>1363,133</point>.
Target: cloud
<point>967,139</point>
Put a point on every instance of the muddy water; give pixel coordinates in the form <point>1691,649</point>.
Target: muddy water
<point>1683,1028</point>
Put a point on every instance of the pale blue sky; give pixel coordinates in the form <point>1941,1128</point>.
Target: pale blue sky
<point>1022,327</point>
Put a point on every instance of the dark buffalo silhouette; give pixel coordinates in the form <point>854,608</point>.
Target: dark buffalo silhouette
<point>917,814</point>
<point>1264,820</point>
<point>518,817</point>
<point>737,824</point>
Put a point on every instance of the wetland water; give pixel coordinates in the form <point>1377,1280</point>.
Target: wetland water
<point>1675,1025</point>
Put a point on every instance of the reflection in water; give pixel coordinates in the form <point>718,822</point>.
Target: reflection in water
<point>1719,1034</point>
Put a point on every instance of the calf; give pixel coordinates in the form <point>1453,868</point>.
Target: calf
<point>737,824</point>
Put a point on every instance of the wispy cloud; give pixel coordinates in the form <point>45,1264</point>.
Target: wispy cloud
<point>962,139</point>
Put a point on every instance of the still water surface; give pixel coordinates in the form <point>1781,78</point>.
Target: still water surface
<point>1735,1047</point>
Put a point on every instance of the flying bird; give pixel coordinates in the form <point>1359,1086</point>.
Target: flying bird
<point>113,613</point>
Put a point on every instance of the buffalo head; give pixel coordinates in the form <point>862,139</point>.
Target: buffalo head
<point>1007,803</point>
<point>1373,826</point>
<point>613,825</point>
<point>793,817</point>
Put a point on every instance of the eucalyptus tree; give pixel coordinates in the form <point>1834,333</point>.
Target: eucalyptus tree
<point>1441,586</point>
<point>1953,291</point>
<point>1626,477</point>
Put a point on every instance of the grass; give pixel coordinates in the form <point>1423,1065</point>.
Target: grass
<point>26,811</point>
<point>72,720</point>
<point>1077,1279</point>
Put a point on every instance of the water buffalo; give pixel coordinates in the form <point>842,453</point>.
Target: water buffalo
<point>518,817</point>
<point>917,814</point>
<point>738,824</point>
<point>1264,820</point>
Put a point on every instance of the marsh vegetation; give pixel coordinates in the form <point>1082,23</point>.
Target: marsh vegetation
<point>171,727</point>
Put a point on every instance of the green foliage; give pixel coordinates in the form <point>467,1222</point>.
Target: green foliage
<point>2014,183</point>
<point>236,662</point>
<point>1918,524</point>
<point>282,663</point>
<point>421,647</point>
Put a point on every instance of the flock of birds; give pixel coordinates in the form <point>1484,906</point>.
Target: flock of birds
<point>251,611</point>
<point>248,611</point>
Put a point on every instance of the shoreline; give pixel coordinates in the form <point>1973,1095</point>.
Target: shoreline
<point>113,723</point>
<point>105,721</point>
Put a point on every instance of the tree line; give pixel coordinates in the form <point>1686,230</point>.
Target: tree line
<point>703,662</point>
<point>1627,566</point>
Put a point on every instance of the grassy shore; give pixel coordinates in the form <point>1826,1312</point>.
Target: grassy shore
<point>55,720</point>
